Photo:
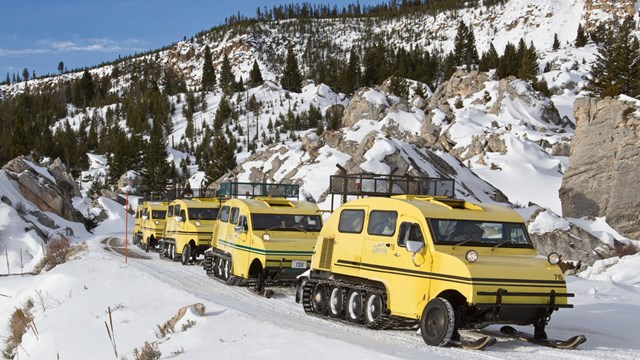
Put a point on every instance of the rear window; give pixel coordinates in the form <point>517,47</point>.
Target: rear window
<point>351,221</point>
<point>286,222</point>
<point>382,223</point>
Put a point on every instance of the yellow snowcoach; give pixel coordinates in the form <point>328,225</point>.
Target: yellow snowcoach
<point>152,223</point>
<point>264,237</point>
<point>431,261</point>
<point>189,225</point>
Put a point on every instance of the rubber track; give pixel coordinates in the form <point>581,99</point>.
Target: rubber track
<point>383,322</point>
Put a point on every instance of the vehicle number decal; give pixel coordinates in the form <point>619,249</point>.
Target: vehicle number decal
<point>298,264</point>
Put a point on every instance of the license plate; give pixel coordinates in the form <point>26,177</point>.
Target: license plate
<point>298,264</point>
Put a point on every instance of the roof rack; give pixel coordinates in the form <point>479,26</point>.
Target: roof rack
<point>251,190</point>
<point>388,185</point>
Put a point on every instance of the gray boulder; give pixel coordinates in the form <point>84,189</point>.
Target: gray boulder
<point>602,179</point>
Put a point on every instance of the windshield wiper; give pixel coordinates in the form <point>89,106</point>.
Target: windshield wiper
<point>461,243</point>
<point>287,228</point>
<point>502,243</point>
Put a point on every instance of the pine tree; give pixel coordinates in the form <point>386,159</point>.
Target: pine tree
<point>227,79</point>
<point>528,64</point>
<point>156,169</point>
<point>581,37</point>
<point>60,67</point>
<point>291,76</point>
<point>556,42</point>
<point>490,59</point>
<point>509,62</point>
<point>86,88</point>
<point>617,65</point>
<point>208,72</point>
<point>255,76</point>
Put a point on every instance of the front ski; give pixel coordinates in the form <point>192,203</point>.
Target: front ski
<point>570,343</point>
<point>478,344</point>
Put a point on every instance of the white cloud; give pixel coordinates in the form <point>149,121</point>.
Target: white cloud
<point>47,46</point>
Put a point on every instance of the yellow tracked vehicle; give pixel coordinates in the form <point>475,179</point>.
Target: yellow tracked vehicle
<point>430,261</point>
<point>152,224</point>
<point>264,237</point>
<point>188,229</point>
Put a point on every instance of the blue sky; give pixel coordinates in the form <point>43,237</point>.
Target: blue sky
<point>38,34</point>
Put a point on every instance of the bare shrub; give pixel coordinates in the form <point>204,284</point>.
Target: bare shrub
<point>149,351</point>
<point>621,249</point>
<point>21,321</point>
<point>188,324</point>
<point>57,252</point>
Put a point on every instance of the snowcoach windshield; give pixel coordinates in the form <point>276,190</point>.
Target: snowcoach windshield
<point>203,213</point>
<point>479,233</point>
<point>285,222</point>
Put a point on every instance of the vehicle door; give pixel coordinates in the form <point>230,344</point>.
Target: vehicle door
<point>345,255</point>
<point>413,269</point>
<point>222,230</point>
<point>379,243</point>
<point>170,223</point>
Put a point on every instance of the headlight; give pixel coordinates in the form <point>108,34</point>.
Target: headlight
<point>157,222</point>
<point>471,256</point>
<point>197,222</point>
<point>553,258</point>
<point>266,237</point>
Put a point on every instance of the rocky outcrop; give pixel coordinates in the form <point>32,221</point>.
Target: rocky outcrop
<point>41,187</point>
<point>513,88</point>
<point>618,9</point>
<point>360,108</point>
<point>602,179</point>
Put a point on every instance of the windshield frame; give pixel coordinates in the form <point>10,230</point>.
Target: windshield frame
<point>505,227</point>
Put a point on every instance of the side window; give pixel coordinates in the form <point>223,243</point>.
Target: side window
<point>409,231</point>
<point>351,221</point>
<point>382,223</point>
<point>243,222</point>
<point>183,215</point>
<point>224,214</point>
<point>234,215</point>
<point>170,211</point>
<point>177,210</point>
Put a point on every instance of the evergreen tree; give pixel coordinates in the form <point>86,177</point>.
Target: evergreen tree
<point>86,88</point>
<point>208,72</point>
<point>255,76</point>
<point>509,62</point>
<point>556,42</point>
<point>291,76</point>
<point>156,169</point>
<point>528,64</point>
<point>25,74</point>
<point>617,65</point>
<point>227,79</point>
<point>465,52</point>
<point>60,67</point>
<point>375,65</point>
<point>490,59</point>
<point>581,37</point>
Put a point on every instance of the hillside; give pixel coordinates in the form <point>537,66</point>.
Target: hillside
<point>501,139</point>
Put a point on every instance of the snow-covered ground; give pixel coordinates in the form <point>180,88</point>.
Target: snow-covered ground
<point>144,291</point>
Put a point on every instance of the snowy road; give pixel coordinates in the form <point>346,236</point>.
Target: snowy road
<point>282,311</point>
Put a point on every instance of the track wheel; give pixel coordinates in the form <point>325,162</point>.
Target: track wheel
<point>336,302</point>
<point>437,322</point>
<point>319,299</point>
<point>354,306</point>
<point>186,254</point>
<point>226,269</point>
<point>172,252</point>
<point>217,269</point>
<point>373,307</point>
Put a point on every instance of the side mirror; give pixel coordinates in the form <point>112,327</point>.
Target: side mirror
<point>414,246</point>
<point>145,217</point>
<point>178,218</point>
<point>239,229</point>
